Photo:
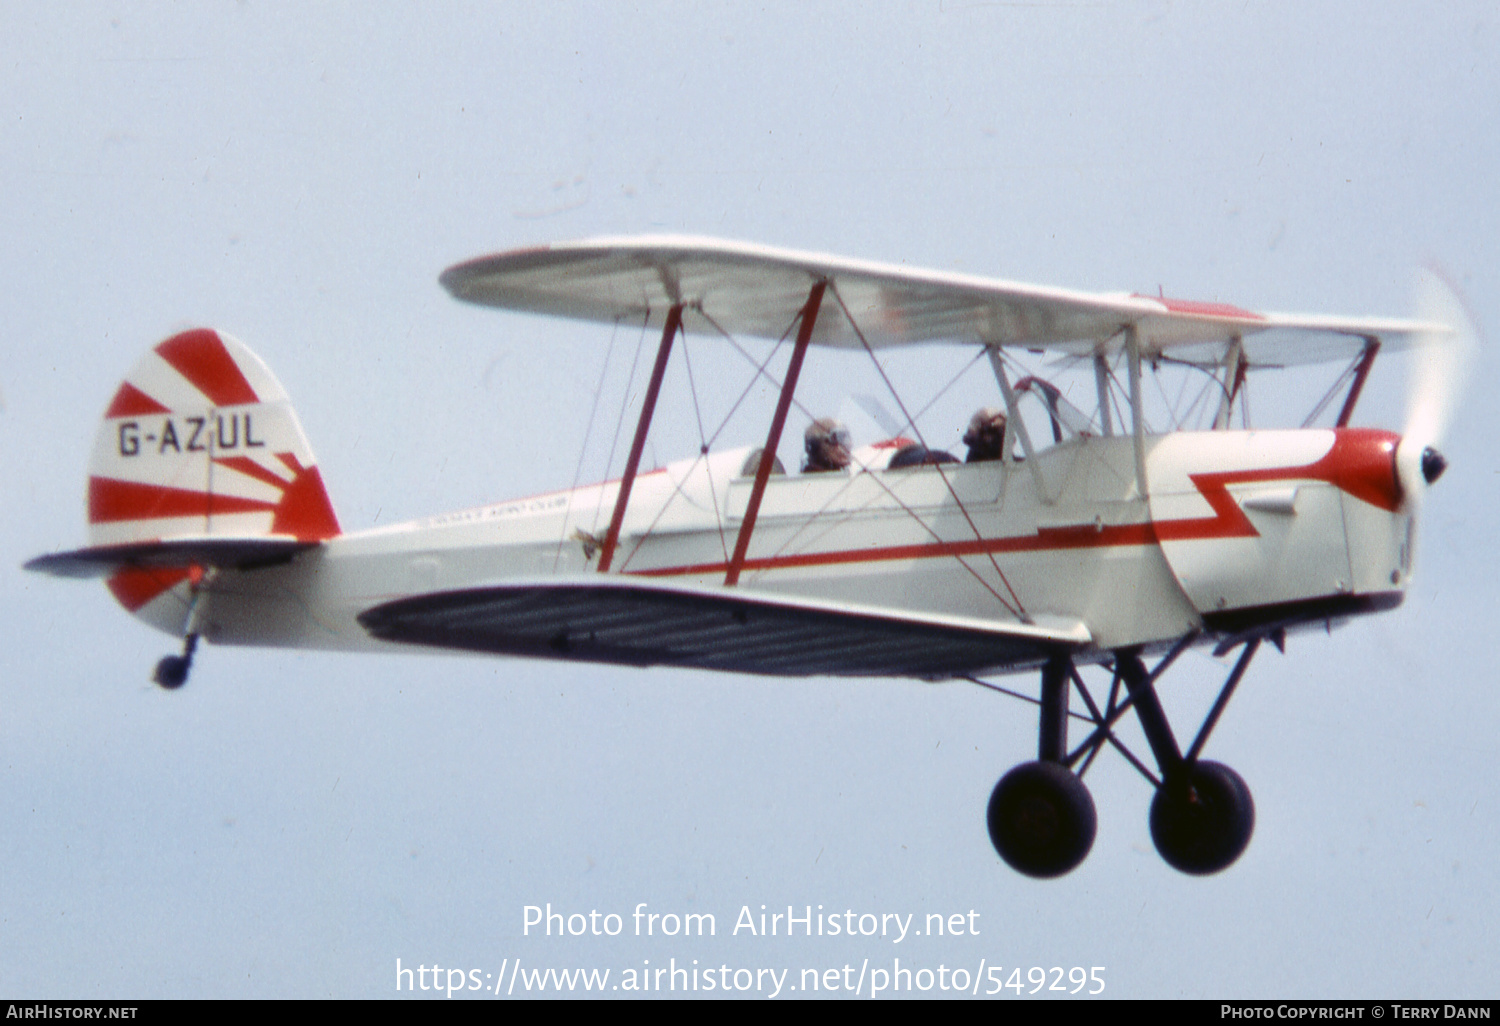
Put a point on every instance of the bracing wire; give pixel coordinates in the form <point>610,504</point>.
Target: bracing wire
<point>703,443</point>
<point>584,448</point>
<point>1019,609</point>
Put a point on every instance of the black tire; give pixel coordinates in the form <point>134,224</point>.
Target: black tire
<point>171,672</point>
<point>1202,818</point>
<point>1042,819</point>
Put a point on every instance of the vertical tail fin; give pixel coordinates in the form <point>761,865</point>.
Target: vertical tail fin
<point>200,440</point>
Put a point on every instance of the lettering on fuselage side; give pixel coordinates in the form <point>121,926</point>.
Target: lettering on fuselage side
<point>190,434</point>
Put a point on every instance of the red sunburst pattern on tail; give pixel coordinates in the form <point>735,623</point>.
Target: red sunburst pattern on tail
<point>130,401</point>
<point>201,357</point>
<point>200,440</point>
<point>303,511</point>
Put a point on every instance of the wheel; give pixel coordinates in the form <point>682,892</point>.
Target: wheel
<point>1202,818</point>
<point>171,672</point>
<point>1042,819</point>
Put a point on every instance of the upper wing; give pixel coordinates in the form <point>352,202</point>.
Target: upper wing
<point>641,624</point>
<point>758,290</point>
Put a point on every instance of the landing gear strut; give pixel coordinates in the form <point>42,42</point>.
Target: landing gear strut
<point>1202,816</point>
<point>172,671</point>
<point>1041,817</point>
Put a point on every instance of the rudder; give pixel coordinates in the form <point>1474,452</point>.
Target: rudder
<point>199,441</point>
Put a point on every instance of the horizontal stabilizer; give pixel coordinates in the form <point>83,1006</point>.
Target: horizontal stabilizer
<point>635,624</point>
<point>229,553</point>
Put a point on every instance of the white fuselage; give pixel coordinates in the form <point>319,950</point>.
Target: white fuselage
<point>1304,524</point>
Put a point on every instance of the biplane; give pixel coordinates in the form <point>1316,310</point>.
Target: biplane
<point>1086,540</point>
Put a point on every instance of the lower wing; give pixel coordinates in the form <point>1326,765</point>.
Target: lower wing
<point>638,624</point>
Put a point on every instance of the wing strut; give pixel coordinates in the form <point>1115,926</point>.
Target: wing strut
<point>1101,385</point>
<point>1234,379</point>
<point>1137,411</point>
<point>1366,361</point>
<point>1014,424</point>
<point>778,421</point>
<point>648,407</point>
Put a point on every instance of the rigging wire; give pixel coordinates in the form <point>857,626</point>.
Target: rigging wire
<point>706,444</point>
<point>1117,393</point>
<point>1212,384</point>
<point>1103,722</point>
<point>1160,390</point>
<point>584,448</point>
<point>832,525</point>
<point>1334,389</point>
<point>678,488</point>
<point>760,371</point>
<point>1017,694</point>
<point>951,382</point>
<point>1020,608</point>
<point>703,442</point>
<point>816,515</point>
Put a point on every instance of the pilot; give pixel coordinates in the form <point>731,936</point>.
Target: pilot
<point>986,435</point>
<point>827,444</point>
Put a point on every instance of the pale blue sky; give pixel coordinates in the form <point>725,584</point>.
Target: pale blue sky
<point>290,824</point>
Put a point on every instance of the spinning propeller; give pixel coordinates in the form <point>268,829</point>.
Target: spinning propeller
<point>1437,380</point>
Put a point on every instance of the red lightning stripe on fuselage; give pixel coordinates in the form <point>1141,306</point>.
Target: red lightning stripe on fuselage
<point>1360,463</point>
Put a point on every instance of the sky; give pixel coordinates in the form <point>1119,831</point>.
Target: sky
<point>301,825</point>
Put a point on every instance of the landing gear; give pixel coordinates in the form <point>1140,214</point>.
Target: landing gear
<point>1041,817</point>
<point>1202,818</point>
<point>172,671</point>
